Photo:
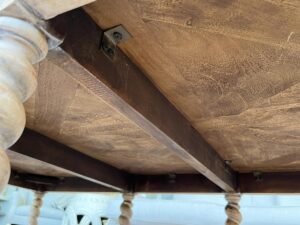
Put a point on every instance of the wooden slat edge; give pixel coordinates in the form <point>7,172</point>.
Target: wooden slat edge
<point>62,184</point>
<point>40,147</point>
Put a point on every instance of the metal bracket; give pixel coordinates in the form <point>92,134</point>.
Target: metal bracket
<point>113,37</point>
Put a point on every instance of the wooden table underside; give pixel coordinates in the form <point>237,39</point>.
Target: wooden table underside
<point>230,67</point>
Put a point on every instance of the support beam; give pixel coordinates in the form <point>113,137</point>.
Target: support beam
<point>270,183</point>
<point>179,183</point>
<point>266,183</point>
<point>53,184</point>
<point>183,183</point>
<point>75,184</point>
<point>126,88</point>
<point>39,147</point>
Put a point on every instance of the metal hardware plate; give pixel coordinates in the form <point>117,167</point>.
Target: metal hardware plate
<point>113,37</point>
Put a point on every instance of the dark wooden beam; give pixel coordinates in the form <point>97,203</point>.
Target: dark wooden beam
<point>179,183</point>
<point>270,183</point>
<point>124,86</point>
<point>53,184</point>
<point>19,182</point>
<point>37,146</point>
<point>75,184</point>
<point>267,183</point>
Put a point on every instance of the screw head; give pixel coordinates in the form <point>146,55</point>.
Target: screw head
<point>117,36</point>
<point>108,50</point>
<point>228,162</point>
<point>172,178</point>
<point>258,176</point>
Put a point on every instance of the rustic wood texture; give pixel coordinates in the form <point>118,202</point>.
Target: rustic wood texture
<point>126,88</point>
<point>47,9</point>
<point>42,148</point>
<point>64,110</point>
<point>232,67</point>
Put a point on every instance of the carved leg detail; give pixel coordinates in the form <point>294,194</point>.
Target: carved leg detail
<point>233,209</point>
<point>21,45</point>
<point>37,204</point>
<point>126,209</point>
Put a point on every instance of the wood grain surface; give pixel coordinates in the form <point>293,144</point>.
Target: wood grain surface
<point>123,86</point>
<point>231,67</point>
<point>65,111</point>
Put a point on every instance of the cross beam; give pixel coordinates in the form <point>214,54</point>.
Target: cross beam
<point>124,86</point>
<point>270,183</point>
<point>62,184</point>
<point>175,183</point>
<point>37,146</point>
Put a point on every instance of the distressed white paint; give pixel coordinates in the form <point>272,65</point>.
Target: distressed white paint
<point>91,207</point>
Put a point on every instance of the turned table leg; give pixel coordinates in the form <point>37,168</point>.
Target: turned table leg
<point>36,208</point>
<point>22,44</point>
<point>234,216</point>
<point>126,209</point>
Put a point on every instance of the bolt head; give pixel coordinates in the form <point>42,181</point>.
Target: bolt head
<point>108,50</point>
<point>228,162</point>
<point>258,176</point>
<point>117,36</point>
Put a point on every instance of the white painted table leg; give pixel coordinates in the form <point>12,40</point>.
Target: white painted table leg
<point>234,216</point>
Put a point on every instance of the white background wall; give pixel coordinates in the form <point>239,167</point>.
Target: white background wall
<point>188,209</point>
